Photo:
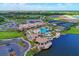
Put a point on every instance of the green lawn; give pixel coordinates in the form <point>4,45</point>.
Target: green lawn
<point>32,52</point>
<point>21,43</point>
<point>71,31</point>
<point>9,34</point>
<point>57,18</point>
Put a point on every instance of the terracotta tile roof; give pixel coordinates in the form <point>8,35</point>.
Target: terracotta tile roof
<point>41,40</point>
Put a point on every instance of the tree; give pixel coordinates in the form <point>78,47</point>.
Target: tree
<point>1,20</point>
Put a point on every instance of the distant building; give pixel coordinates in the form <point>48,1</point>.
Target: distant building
<point>36,30</point>
<point>30,25</point>
<point>60,28</point>
<point>32,36</point>
<point>69,18</point>
<point>57,34</point>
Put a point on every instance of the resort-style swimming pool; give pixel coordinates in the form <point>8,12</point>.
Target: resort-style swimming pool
<point>66,45</point>
<point>44,30</point>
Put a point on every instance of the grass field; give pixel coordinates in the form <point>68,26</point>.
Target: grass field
<point>32,52</point>
<point>9,34</point>
<point>71,31</point>
<point>21,43</point>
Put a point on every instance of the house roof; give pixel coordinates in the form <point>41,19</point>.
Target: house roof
<point>41,40</point>
<point>28,25</point>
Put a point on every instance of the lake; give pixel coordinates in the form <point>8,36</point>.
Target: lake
<point>65,45</point>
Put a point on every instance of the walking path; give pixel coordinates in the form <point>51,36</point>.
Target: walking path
<point>28,47</point>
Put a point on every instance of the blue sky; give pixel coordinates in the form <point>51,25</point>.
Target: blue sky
<point>39,6</point>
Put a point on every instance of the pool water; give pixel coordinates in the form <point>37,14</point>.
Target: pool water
<point>66,45</point>
<point>44,30</point>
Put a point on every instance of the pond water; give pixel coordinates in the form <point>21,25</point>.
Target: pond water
<point>66,45</point>
<point>12,45</point>
<point>4,50</point>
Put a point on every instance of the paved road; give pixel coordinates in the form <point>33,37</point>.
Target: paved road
<point>27,47</point>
